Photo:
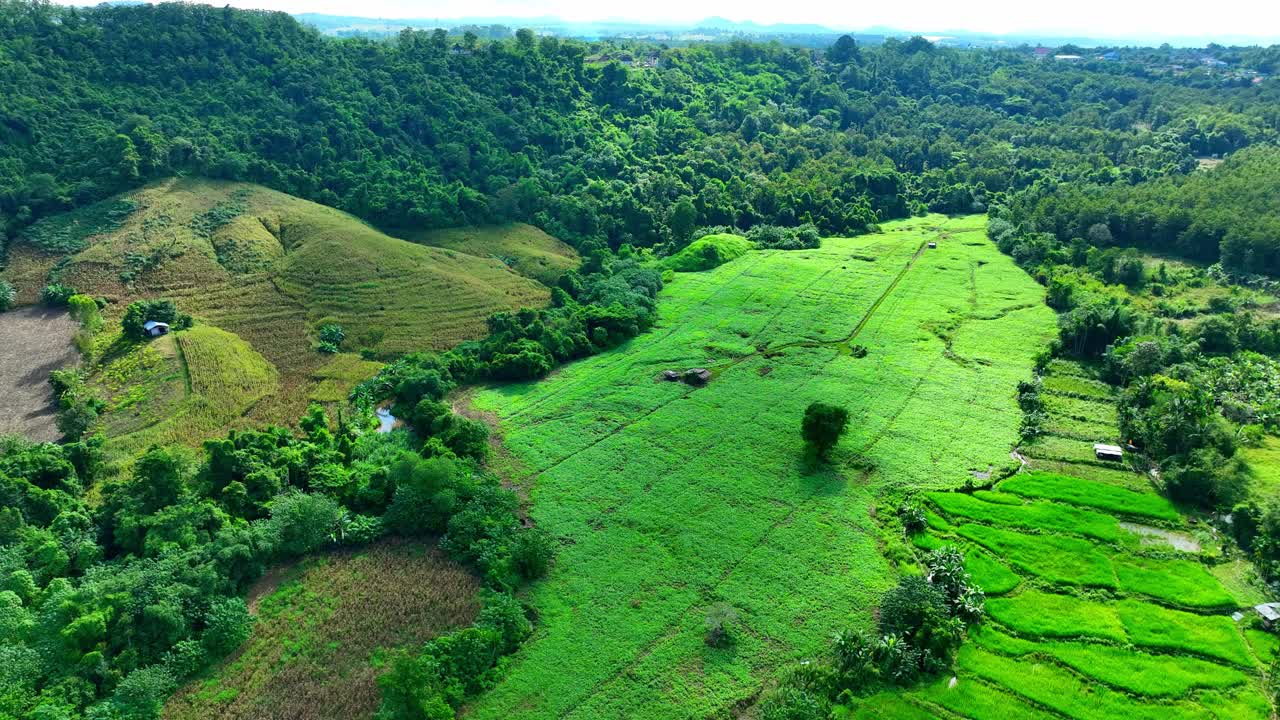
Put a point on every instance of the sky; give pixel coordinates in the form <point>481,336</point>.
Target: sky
<point>1091,18</point>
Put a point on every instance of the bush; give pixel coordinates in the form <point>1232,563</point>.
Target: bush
<point>822,427</point>
<point>532,551</point>
<point>720,621</point>
<point>7,295</point>
<point>331,337</point>
<point>304,522</point>
<point>226,625</point>
<point>55,295</point>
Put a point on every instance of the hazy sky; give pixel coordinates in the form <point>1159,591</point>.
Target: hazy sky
<point>1093,18</point>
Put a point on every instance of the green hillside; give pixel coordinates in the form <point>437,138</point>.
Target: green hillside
<point>182,388</point>
<point>526,249</point>
<point>270,269</point>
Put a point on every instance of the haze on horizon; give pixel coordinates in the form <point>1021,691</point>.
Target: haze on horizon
<point>1229,19</point>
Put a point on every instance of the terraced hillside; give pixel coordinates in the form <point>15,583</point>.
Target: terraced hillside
<point>1103,601</point>
<point>525,248</point>
<point>669,498</point>
<point>271,269</point>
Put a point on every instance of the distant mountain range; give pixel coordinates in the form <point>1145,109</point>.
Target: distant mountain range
<point>718,28</point>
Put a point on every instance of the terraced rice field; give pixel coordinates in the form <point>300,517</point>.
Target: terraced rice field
<point>667,499</point>
<point>1122,614</point>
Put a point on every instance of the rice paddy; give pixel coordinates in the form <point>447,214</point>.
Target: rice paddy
<point>667,499</point>
<point>1096,625</point>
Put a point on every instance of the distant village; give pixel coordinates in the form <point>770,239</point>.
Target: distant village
<point>1180,63</point>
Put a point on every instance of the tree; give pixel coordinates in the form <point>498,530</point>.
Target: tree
<point>304,522</point>
<point>681,221</point>
<point>139,312</point>
<point>845,49</point>
<point>822,427</point>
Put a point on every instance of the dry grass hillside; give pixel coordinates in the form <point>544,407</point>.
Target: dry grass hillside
<point>270,269</point>
<point>525,248</point>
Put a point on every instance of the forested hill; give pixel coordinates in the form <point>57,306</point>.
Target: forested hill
<point>428,130</point>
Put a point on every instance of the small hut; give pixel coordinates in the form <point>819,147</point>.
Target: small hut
<point>154,328</point>
<point>932,245</point>
<point>1269,612</point>
<point>697,376</point>
<point>670,375</point>
<point>1109,453</point>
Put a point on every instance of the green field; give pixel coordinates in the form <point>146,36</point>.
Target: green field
<point>667,498</point>
<point>526,249</point>
<point>1033,515</point>
<point>1097,625</point>
<point>1092,494</point>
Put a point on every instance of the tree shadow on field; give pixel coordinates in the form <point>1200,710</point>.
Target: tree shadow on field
<point>828,476</point>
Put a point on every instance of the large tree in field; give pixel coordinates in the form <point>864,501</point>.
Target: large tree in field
<point>822,427</point>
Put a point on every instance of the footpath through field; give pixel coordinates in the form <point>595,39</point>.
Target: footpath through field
<point>668,499</point>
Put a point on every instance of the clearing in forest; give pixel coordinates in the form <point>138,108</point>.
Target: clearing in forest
<point>320,623</point>
<point>1102,601</point>
<point>34,342</point>
<point>185,388</point>
<point>669,498</point>
<point>270,268</point>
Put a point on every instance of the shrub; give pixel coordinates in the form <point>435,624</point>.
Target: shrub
<point>303,522</point>
<point>331,337</point>
<point>55,295</point>
<point>822,427</point>
<point>532,551</point>
<point>226,625</point>
<point>720,622</point>
<point>7,295</point>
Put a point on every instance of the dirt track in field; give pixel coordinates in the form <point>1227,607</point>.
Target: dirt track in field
<point>34,341</point>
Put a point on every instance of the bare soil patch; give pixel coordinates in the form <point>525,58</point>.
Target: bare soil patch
<point>34,341</point>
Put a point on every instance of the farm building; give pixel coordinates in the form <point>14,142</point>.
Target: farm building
<point>155,329</point>
<point>1269,612</point>
<point>1111,453</point>
<point>697,376</point>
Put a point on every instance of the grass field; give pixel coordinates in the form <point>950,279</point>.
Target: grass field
<point>526,249</point>
<point>1054,558</point>
<point>271,269</point>
<point>1033,515</point>
<point>667,498</point>
<point>319,628</point>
